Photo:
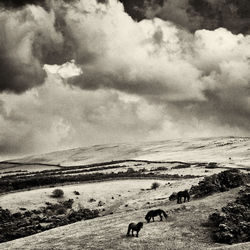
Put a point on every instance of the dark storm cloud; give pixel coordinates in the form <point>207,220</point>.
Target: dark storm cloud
<point>195,14</point>
<point>21,3</point>
<point>15,4</point>
<point>28,40</point>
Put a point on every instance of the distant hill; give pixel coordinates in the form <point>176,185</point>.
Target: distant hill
<point>232,151</point>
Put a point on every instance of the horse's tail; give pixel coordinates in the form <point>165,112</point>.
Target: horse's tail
<point>165,214</point>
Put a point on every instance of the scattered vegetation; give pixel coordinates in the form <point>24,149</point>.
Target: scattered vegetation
<point>17,225</point>
<point>53,177</point>
<point>101,203</point>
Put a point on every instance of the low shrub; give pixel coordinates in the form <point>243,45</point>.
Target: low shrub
<point>173,196</point>
<point>212,165</point>
<point>181,166</point>
<point>57,193</point>
<point>155,185</point>
<point>61,210</point>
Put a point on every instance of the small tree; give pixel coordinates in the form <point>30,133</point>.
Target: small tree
<point>57,193</point>
<point>155,185</point>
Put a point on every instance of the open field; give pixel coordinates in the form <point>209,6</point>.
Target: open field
<point>182,230</point>
<point>114,194</point>
<point>116,180</point>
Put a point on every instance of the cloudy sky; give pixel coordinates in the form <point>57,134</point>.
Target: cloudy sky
<point>81,72</point>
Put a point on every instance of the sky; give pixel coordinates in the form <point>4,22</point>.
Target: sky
<point>82,72</point>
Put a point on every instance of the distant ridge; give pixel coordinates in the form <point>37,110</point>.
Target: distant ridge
<point>233,151</point>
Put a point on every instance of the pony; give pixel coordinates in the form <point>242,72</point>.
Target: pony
<point>184,194</point>
<point>134,227</point>
<point>153,213</point>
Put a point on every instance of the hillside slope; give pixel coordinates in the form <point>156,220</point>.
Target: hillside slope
<point>182,230</point>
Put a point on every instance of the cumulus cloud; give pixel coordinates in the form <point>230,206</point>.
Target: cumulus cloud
<point>57,116</point>
<point>28,39</point>
<point>86,73</point>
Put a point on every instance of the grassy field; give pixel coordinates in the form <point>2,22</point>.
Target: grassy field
<point>182,230</point>
<point>115,194</point>
<point>125,200</point>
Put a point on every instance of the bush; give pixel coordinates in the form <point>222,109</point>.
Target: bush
<point>173,196</point>
<point>130,170</point>
<point>218,183</point>
<point>182,166</point>
<point>61,210</point>
<point>155,185</point>
<point>57,193</point>
<point>212,165</point>
<point>68,203</point>
<point>231,225</point>
<point>76,193</point>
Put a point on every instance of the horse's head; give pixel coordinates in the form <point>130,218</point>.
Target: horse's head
<point>140,225</point>
<point>147,218</point>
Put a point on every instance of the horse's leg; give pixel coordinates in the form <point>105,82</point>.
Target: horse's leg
<point>137,233</point>
<point>179,200</point>
<point>128,231</point>
<point>185,198</point>
<point>153,219</point>
<point>160,217</point>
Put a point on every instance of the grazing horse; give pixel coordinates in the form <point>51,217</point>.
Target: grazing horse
<point>184,194</point>
<point>153,213</point>
<point>134,227</point>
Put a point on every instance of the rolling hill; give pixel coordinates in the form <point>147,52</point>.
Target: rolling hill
<point>232,151</point>
<point>182,230</point>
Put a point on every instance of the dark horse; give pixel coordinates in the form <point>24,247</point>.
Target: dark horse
<point>134,227</point>
<point>153,213</point>
<point>184,194</point>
